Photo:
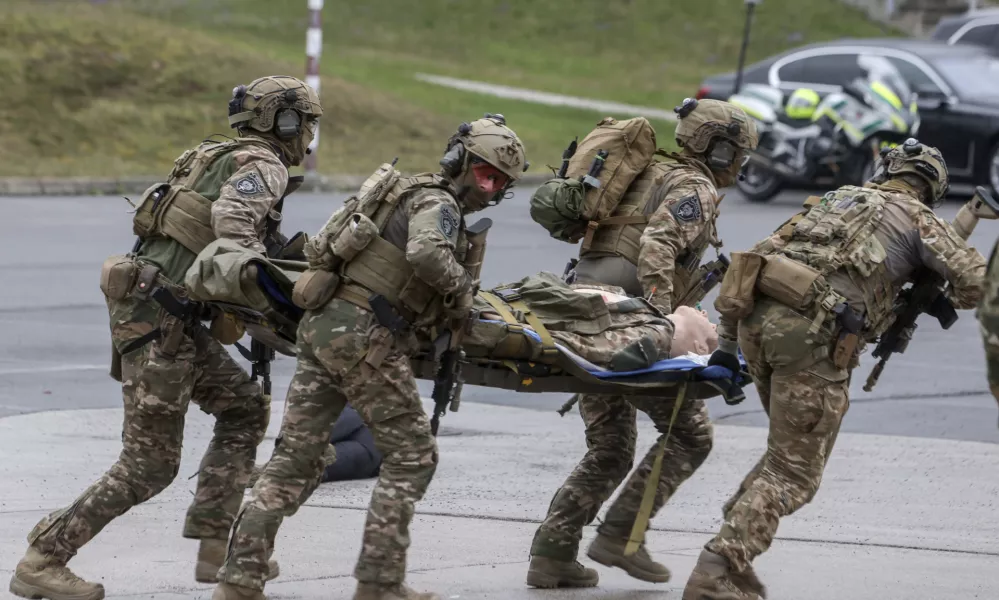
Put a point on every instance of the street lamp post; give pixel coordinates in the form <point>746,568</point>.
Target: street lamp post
<point>750,7</point>
<point>313,48</point>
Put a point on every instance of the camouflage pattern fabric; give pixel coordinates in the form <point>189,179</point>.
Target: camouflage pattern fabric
<point>611,433</point>
<point>806,404</point>
<point>434,231</point>
<point>685,214</point>
<point>683,220</point>
<point>156,390</point>
<point>804,393</point>
<point>988,318</point>
<point>257,182</point>
<point>332,344</point>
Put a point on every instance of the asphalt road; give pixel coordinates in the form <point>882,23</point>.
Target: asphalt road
<point>54,343</point>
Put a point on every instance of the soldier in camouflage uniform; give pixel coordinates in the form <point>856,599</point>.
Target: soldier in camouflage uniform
<point>834,268</point>
<point>413,260</point>
<point>167,362</point>
<point>988,318</point>
<point>679,195</point>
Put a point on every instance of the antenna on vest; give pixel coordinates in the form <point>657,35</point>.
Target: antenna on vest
<point>395,160</point>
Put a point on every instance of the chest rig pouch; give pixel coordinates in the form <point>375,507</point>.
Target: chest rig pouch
<point>361,262</point>
<point>838,234</point>
<point>173,209</point>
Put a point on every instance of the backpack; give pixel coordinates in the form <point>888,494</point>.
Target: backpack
<point>594,177</point>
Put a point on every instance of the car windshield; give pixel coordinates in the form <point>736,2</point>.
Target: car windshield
<point>973,78</point>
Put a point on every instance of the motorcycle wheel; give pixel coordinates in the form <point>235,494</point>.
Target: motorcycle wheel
<point>759,185</point>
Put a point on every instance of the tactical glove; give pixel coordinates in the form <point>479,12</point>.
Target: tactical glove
<point>731,362</point>
<point>461,307</point>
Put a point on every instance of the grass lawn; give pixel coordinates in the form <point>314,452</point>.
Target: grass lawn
<point>119,87</point>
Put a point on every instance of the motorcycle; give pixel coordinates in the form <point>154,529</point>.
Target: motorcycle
<point>829,142</point>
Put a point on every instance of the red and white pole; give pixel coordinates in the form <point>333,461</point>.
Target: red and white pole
<point>313,48</point>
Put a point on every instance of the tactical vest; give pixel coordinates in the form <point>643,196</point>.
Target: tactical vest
<point>641,200</point>
<point>838,233</point>
<point>173,209</point>
<point>353,246</point>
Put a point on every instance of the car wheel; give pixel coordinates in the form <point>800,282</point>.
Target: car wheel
<point>758,184</point>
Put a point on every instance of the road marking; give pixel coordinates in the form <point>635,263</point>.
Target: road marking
<point>536,97</point>
<point>52,369</point>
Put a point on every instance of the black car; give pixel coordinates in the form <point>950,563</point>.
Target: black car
<point>980,28</point>
<point>958,88</point>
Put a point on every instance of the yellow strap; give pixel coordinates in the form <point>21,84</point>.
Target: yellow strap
<point>652,484</point>
<point>498,305</point>
<point>547,342</point>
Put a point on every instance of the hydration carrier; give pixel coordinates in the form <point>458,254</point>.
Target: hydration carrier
<point>594,179</point>
<point>350,259</point>
<point>173,209</point>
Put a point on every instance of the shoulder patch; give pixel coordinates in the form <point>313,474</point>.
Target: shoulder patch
<point>249,185</point>
<point>688,209</point>
<point>448,223</point>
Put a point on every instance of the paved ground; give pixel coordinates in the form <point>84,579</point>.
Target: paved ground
<point>906,509</point>
<point>897,517</point>
<point>55,347</point>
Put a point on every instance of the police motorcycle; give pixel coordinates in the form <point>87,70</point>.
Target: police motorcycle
<point>830,142</point>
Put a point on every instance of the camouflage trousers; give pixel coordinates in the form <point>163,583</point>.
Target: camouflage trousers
<point>157,388</point>
<point>331,371</point>
<point>611,433</point>
<point>806,398</point>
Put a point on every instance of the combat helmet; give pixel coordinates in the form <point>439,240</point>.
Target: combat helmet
<point>920,160</point>
<point>700,122</point>
<point>486,158</point>
<point>280,106</point>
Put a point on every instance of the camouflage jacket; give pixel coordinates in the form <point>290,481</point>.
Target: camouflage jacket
<point>243,185</point>
<point>913,237</point>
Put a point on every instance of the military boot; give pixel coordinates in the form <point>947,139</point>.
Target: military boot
<point>42,576</point>
<point>609,552</point>
<point>712,579</point>
<point>228,591</point>
<point>550,573</point>
<point>399,591</point>
<point>211,555</point>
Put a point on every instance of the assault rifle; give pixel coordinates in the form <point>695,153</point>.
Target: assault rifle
<point>705,278</point>
<point>447,347</point>
<point>260,356</point>
<point>926,292</point>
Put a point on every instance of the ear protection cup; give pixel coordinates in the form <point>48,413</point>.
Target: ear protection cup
<point>722,155</point>
<point>454,159</point>
<point>288,124</point>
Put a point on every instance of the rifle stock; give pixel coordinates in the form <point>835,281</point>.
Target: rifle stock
<point>447,347</point>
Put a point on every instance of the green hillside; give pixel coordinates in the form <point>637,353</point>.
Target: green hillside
<point>120,87</point>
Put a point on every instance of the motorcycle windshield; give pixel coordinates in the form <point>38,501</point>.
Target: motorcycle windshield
<point>890,92</point>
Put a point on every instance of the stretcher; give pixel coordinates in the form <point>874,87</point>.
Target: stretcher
<point>567,373</point>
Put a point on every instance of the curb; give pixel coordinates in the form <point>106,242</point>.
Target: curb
<point>96,186</point>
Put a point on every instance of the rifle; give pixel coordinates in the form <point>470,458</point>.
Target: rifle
<point>925,293</point>
<point>260,356</point>
<point>705,278</point>
<point>447,351</point>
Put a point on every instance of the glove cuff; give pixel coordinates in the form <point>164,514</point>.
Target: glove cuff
<point>728,346</point>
